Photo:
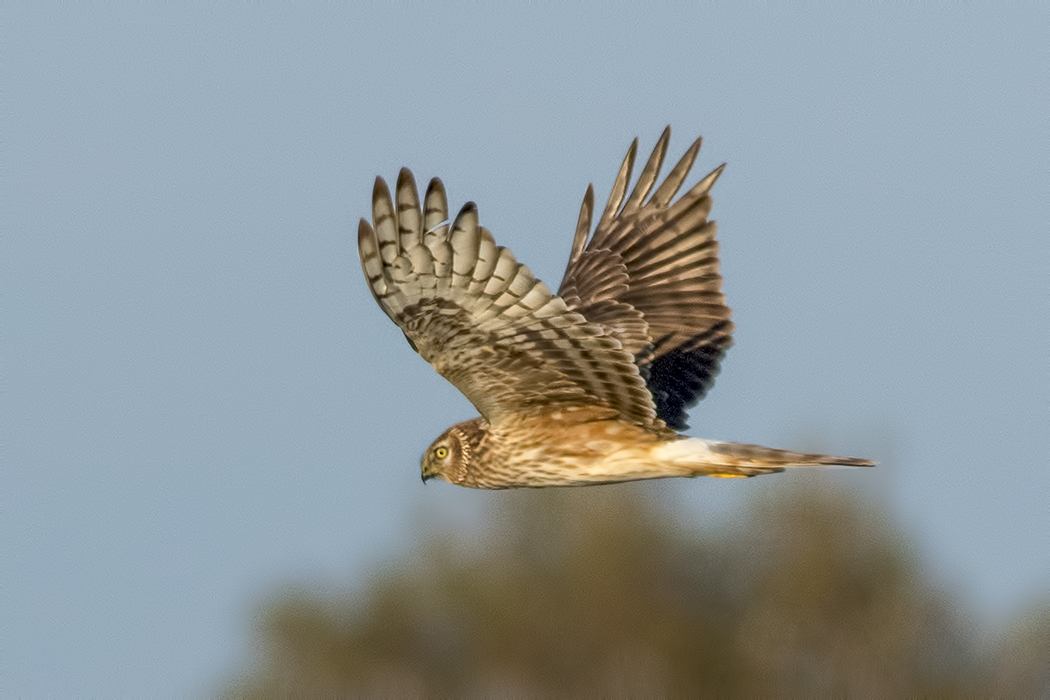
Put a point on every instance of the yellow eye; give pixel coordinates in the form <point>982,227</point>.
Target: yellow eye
<point>441,452</point>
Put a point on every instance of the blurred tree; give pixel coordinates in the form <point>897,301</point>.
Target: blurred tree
<point>1022,658</point>
<point>599,592</point>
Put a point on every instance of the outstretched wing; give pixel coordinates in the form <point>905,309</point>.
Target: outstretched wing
<point>649,275</point>
<point>483,320</point>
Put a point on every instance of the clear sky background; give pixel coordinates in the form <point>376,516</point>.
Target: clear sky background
<point>202,403</point>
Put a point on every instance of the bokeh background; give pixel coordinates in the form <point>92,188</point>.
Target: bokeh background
<point>211,434</point>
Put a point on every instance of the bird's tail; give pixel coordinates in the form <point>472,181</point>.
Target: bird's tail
<point>696,457</point>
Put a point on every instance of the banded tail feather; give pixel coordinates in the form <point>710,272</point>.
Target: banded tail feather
<point>697,457</point>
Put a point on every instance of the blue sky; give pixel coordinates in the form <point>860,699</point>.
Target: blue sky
<point>202,403</point>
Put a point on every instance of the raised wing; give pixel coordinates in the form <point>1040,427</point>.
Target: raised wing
<point>649,275</point>
<point>483,320</point>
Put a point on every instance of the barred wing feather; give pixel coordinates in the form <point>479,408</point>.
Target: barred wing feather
<point>483,320</point>
<point>649,274</point>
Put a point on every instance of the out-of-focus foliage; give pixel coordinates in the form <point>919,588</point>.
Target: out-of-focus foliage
<point>601,592</point>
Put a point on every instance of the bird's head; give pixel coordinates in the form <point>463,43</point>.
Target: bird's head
<point>450,457</point>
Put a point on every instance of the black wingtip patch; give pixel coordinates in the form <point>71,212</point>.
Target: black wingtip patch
<point>679,378</point>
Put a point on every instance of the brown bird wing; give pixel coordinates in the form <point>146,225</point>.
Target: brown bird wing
<point>649,275</point>
<point>483,320</point>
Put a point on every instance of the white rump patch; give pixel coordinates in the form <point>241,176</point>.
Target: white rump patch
<point>687,451</point>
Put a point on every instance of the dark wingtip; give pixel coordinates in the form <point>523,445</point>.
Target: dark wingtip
<point>364,229</point>
<point>404,177</point>
<point>379,189</point>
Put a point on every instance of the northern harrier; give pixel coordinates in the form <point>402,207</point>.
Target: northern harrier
<point>586,386</point>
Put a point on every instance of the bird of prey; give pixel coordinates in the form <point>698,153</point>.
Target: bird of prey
<point>589,385</point>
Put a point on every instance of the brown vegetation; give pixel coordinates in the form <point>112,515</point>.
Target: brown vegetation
<point>602,592</point>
